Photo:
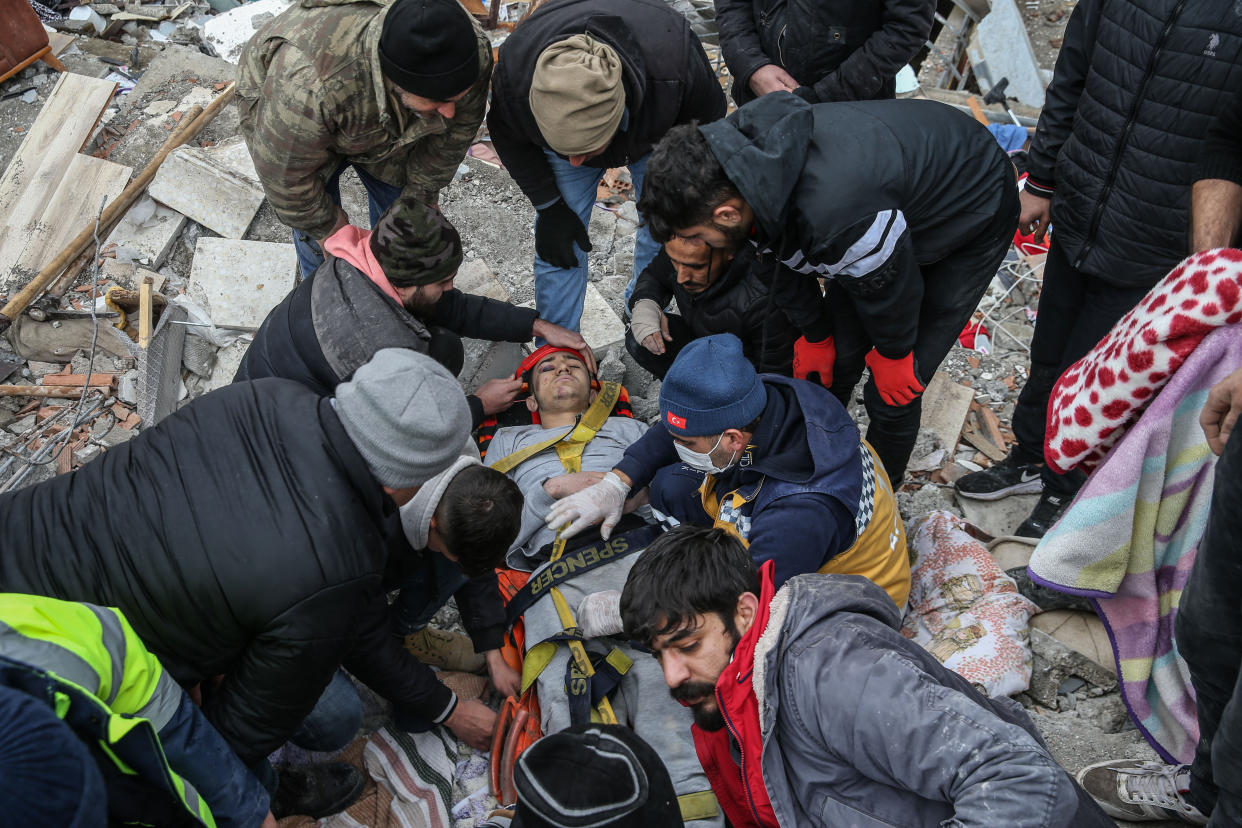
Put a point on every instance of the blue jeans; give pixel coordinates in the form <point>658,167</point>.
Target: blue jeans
<point>380,196</point>
<point>560,292</point>
<point>331,725</point>
<point>201,756</point>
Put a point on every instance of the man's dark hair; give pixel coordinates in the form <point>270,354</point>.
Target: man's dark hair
<point>687,571</point>
<point>479,516</point>
<point>684,183</point>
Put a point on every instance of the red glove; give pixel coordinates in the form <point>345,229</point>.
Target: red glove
<point>894,378</point>
<point>814,358</point>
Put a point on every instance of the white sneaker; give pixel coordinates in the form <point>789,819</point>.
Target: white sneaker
<point>1140,791</point>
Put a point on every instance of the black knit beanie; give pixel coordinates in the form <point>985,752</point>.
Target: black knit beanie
<point>593,776</point>
<point>429,48</point>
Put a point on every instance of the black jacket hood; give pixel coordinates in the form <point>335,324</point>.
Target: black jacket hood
<point>763,147</point>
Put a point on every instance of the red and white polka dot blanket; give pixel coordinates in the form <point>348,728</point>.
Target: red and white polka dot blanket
<point>1099,396</point>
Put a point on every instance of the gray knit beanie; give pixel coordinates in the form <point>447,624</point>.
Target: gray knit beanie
<point>406,415</point>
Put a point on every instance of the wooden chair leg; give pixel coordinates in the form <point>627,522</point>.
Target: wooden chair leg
<point>51,60</point>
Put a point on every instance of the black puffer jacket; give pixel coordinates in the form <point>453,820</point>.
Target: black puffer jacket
<point>243,536</point>
<point>337,319</point>
<point>1136,86</point>
<point>845,49</point>
<point>864,193</point>
<point>667,78</point>
<point>740,303</point>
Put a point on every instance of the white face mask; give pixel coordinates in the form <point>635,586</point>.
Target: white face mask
<point>700,461</point>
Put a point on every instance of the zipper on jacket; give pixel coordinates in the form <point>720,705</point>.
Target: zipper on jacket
<point>741,752</point>
<point>1125,135</point>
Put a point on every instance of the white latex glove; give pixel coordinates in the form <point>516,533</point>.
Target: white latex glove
<point>645,319</point>
<point>599,614</point>
<point>601,503</point>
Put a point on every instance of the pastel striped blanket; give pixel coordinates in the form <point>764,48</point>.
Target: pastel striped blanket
<point>1128,542</point>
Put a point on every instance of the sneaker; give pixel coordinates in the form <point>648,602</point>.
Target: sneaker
<point>1139,791</point>
<point>316,791</point>
<point>446,650</point>
<point>1010,476</point>
<point>1046,512</point>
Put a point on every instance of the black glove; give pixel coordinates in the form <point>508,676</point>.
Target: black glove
<point>556,229</point>
<point>807,93</point>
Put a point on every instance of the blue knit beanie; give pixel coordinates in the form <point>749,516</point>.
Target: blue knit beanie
<point>711,387</point>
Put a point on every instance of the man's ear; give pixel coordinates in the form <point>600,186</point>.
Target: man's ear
<point>729,213</point>
<point>734,440</point>
<point>591,396</point>
<point>745,612</point>
<point>531,405</point>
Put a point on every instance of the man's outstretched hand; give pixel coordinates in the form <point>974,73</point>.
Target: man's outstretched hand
<point>601,503</point>
<point>498,394</point>
<point>506,680</point>
<point>1221,410</point>
<point>473,722</point>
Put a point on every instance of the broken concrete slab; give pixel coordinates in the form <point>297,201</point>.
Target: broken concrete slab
<point>1082,632</point>
<point>194,183</point>
<point>234,155</point>
<point>601,327</point>
<point>1054,663</point>
<point>242,280</point>
<point>998,517</point>
<point>228,360</point>
<point>148,236</point>
<point>129,275</point>
<point>227,33</point>
<point>945,406</point>
<point>474,276</point>
<point>1000,47</point>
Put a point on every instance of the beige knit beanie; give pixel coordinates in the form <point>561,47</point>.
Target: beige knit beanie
<point>576,95</point>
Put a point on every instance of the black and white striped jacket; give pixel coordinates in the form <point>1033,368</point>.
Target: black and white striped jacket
<point>863,193</point>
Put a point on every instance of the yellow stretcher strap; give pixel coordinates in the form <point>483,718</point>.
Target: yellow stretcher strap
<point>577,652</point>
<point>574,442</point>
<point>698,805</point>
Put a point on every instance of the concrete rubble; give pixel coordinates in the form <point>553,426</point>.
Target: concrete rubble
<point>180,55</point>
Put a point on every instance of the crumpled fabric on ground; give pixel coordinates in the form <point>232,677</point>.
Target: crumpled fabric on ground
<point>965,610</point>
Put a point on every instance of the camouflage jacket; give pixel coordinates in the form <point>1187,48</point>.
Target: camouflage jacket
<point>311,96</point>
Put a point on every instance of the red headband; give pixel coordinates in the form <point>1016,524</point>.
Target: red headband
<point>539,355</point>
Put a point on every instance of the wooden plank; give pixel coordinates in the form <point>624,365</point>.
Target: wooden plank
<point>976,109</point>
<point>61,130</point>
<point>984,445</point>
<point>59,41</point>
<point>96,380</point>
<point>144,313</point>
<point>991,425</point>
<point>945,405</point>
<point>26,247</point>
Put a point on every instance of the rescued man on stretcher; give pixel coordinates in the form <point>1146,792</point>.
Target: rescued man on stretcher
<point>570,604</point>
